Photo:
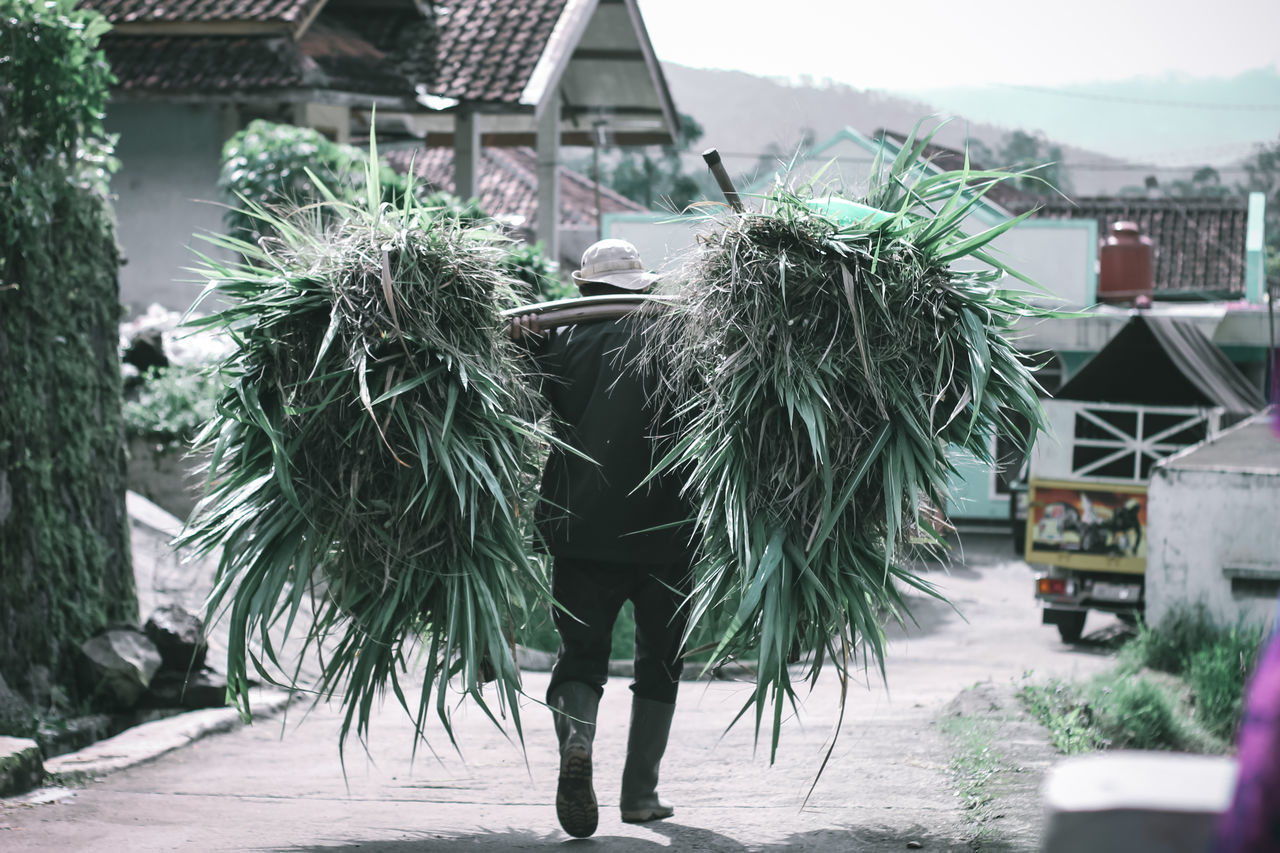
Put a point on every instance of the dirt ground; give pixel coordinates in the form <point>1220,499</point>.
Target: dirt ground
<point>891,782</point>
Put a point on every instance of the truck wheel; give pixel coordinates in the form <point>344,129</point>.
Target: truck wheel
<point>1071,626</point>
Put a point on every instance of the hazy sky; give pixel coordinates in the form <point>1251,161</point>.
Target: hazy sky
<point>932,44</point>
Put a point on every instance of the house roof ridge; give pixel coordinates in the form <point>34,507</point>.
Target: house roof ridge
<point>193,17</point>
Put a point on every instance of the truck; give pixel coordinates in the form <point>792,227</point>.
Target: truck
<point>1080,513</point>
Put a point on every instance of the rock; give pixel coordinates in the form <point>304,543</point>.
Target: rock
<point>76,733</point>
<point>146,350</point>
<point>16,715</point>
<point>44,693</point>
<point>119,664</point>
<point>179,637</point>
<point>21,767</point>
<point>200,690</point>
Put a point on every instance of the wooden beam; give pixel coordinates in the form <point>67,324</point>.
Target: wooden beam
<point>608,54</point>
<point>548,226</point>
<point>466,154</point>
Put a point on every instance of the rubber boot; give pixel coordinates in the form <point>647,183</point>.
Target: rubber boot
<point>646,743</point>
<point>574,706</point>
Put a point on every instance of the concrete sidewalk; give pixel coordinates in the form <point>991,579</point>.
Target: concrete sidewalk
<point>280,784</point>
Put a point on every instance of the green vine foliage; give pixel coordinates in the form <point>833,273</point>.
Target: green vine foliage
<point>65,567</point>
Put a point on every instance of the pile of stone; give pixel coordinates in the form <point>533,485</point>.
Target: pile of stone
<point>161,665</point>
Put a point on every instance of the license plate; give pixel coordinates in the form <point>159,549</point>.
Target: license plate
<point>1116,591</point>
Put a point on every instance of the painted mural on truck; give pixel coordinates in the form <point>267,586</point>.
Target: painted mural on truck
<point>1087,525</point>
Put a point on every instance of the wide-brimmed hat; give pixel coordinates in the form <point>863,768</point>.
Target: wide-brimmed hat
<point>616,263</point>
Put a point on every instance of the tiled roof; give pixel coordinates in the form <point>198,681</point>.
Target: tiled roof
<point>476,50</point>
<point>471,50</point>
<point>508,184</point>
<point>325,57</point>
<point>488,48</point>
<point>1198,243</point>
<point>182,64</point>
<point>351,63</point>
<point>174,11</point>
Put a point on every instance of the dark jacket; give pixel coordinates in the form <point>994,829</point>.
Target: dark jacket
<point>604,407</point>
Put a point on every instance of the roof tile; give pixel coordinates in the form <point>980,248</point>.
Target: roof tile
<point>488,48</point>
<point>508,184</point>
<point>182,64</point>
<point>476,50</point>
<point>1198,243</point>
<point>172,11</point>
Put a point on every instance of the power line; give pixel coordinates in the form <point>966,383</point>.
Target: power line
<point>1066,164</point>
<point>1148,102</point>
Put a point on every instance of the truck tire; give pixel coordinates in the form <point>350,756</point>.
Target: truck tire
<point>1071,625</point>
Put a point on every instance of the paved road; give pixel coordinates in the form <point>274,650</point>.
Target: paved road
<point>280,787</point>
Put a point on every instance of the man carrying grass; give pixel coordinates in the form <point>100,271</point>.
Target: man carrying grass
<point>613,537</point>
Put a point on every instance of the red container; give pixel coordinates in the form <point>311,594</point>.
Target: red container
<point>1126,268</point>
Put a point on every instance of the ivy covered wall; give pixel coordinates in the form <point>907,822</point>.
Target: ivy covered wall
<point>65,568</point>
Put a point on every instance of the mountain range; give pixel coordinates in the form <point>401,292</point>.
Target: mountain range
<point>748,118</point>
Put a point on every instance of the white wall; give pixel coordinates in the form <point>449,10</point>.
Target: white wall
<point>1200,522</point>
<point>1060,256</point>
<point>170,156</point>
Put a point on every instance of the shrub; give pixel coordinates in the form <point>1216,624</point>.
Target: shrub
<point>1062,710</point>
<point>1114,710</point>
<point>1121,708</point>
<point>529,264</point>
<point>172,404</point>
<point>1170,647</point>
<point>1133,713</point>
<point>1218,673</point>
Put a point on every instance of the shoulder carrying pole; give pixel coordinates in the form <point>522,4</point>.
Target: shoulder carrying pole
<point>712,157</point>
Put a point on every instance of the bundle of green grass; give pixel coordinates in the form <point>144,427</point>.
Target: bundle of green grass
<point>829,358</point>
<point>371,455</point>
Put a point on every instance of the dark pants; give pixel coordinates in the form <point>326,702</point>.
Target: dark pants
<point>594,591</point>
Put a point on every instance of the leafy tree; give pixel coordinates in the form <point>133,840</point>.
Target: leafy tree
<point>1263,171</point>
<point>65,568</point>
<point>1205,182</point>
<point>1023,151</point>
<point>655,175</point>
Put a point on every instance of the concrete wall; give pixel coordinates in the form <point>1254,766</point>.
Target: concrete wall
<point>1059,255</point>
<point>170,156</point>
<point>1204,522</point>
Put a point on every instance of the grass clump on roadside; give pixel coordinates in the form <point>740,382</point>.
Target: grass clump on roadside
<point>1112,711</point>
<point>977,767</point>
<point>371,454</point>
<point>1178,686</point>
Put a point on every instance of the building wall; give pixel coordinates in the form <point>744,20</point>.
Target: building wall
<point>973,490</point>
<point>165,192</point>
<point>1201,522</point>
